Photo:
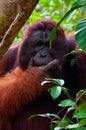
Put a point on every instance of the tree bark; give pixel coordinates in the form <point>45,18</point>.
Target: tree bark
<point>13,15</point>
<point>8,12</point>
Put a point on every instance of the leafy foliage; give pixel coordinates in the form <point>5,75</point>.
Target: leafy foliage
<point>56,90</point>
<point>78,110</point>
<point>66,103</point>
<point>81,34</point>
<point>76,5</point>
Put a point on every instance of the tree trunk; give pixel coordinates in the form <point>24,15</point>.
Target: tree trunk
<point>13,15</point>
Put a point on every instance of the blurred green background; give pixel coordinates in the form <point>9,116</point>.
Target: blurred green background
<point>54,9</point>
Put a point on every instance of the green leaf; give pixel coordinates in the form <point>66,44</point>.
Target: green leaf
<point>80,34</point>
<point>65,90</point>
<point>82,122</point>
<point>59,128</point>
<point>80,92</point>
<point>55,92</point>
<point>79,2</point>
<point>70,126</point>
<point>80,112</point>
<point>72,52</point>
<point>79,128</point>
<point>73,61</point>
<point>64,122</point>
<point>84,9</point>
<point>53,34</point>
<point>32,116</point>
<point>59,82</point>
<point>51,127</point>
<point>66,103</point>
